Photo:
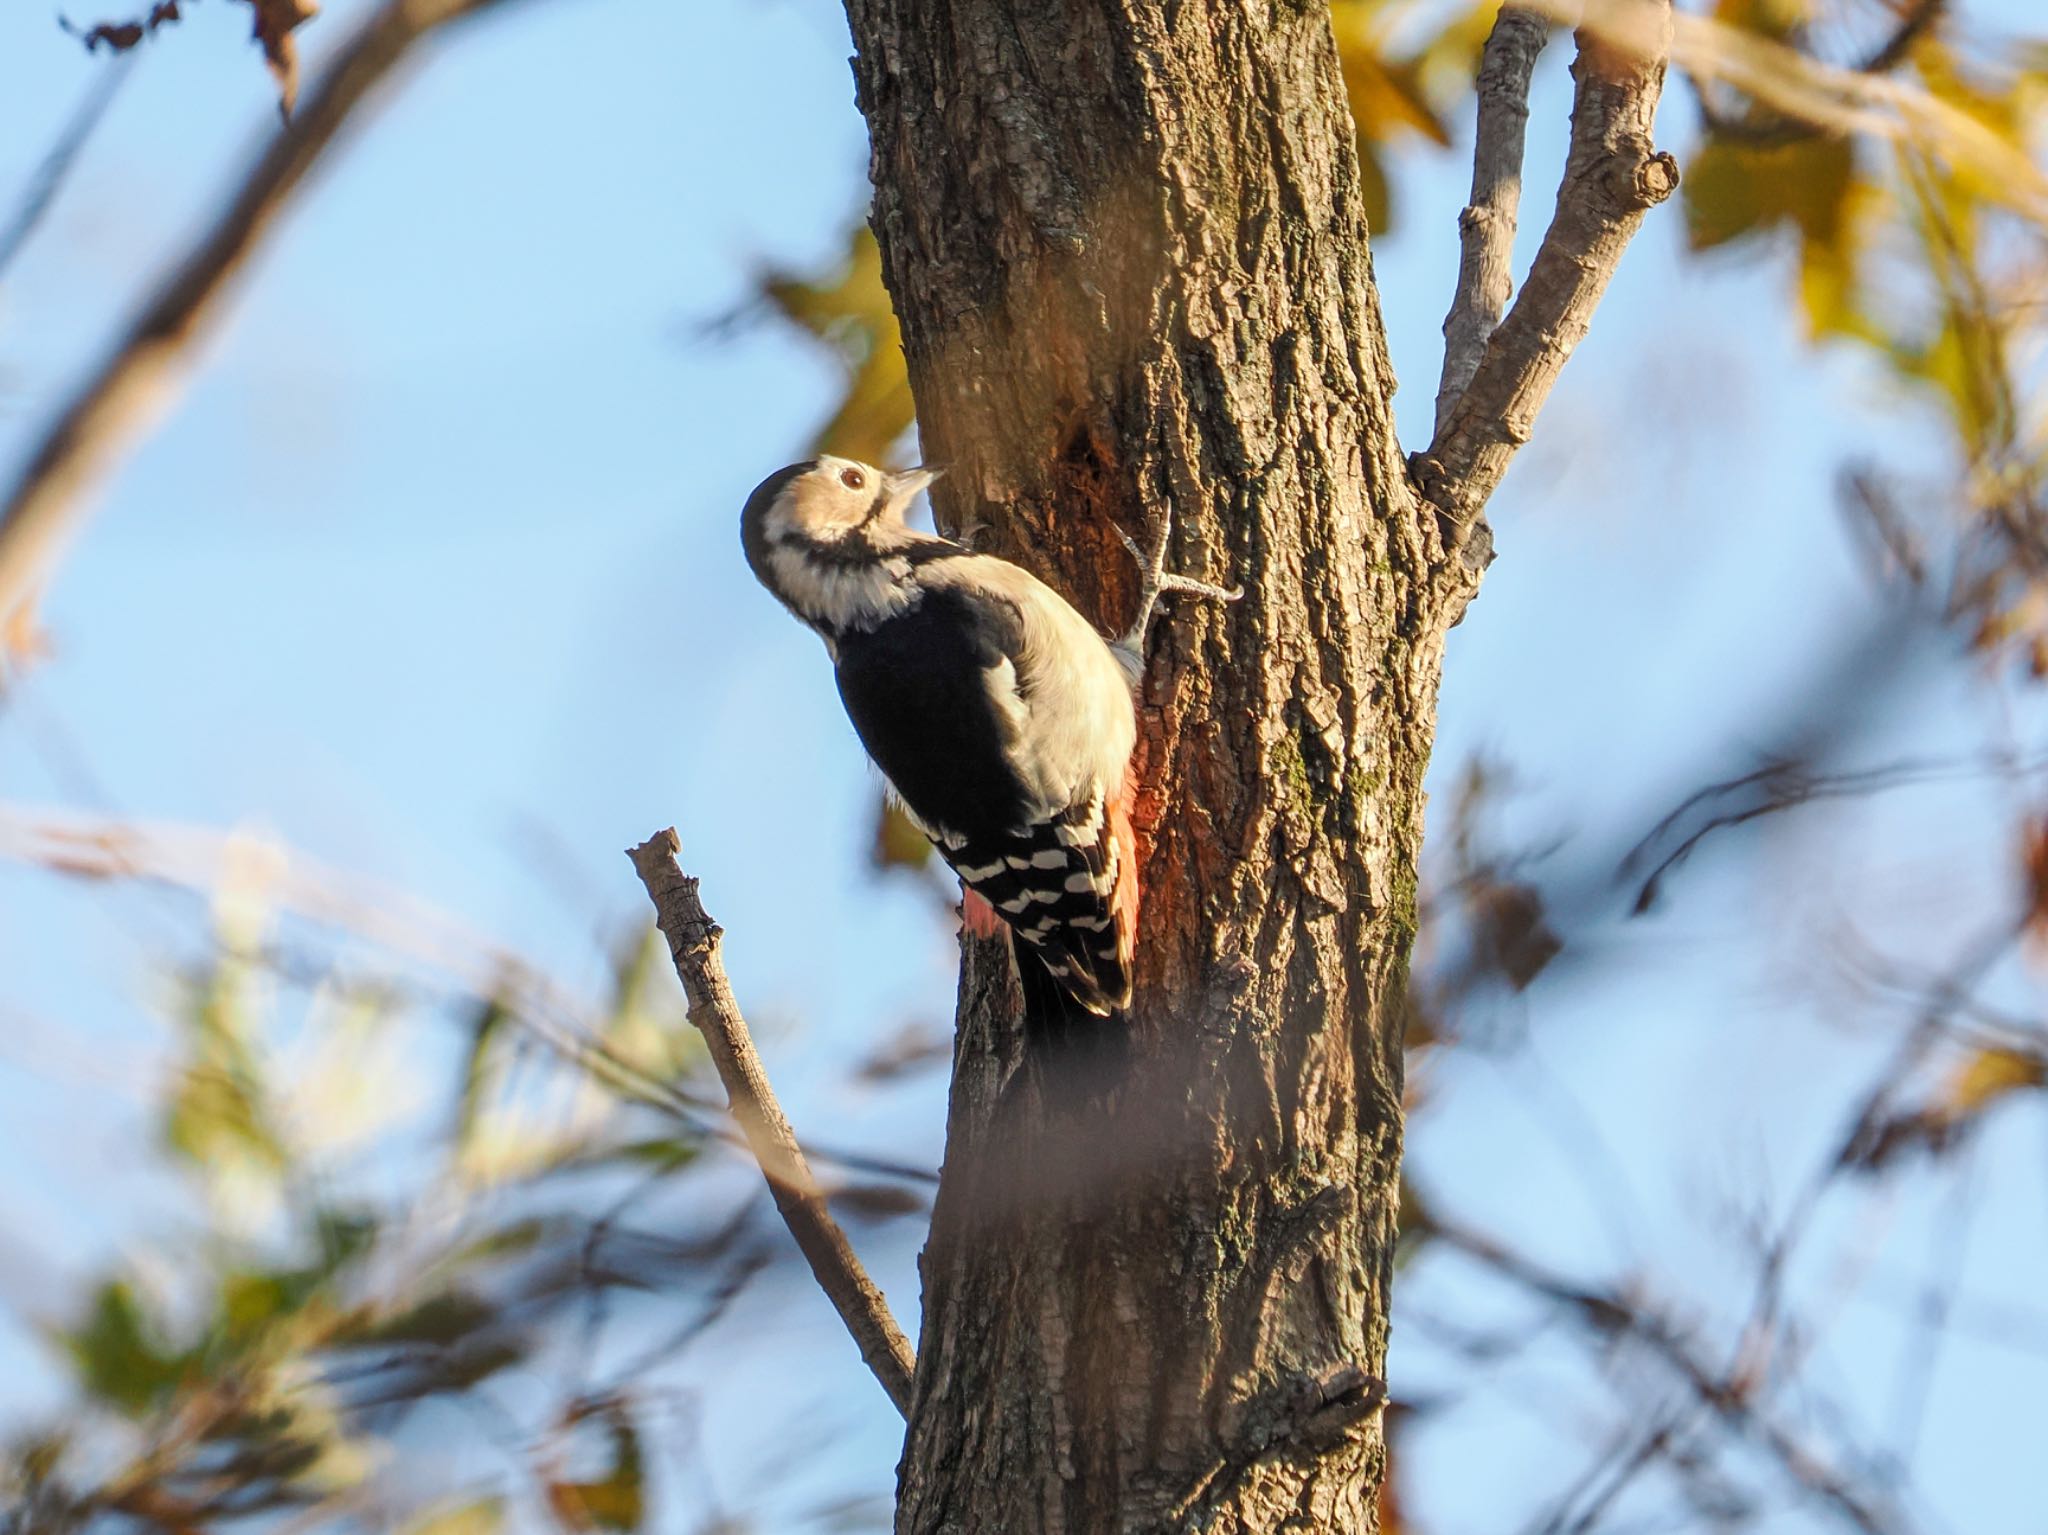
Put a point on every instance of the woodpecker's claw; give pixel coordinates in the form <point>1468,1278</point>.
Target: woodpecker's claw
<point>1155,581</point>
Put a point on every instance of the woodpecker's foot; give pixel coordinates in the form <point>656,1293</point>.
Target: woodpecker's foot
<point>1155,581</point>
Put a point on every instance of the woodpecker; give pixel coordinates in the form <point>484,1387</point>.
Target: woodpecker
<point>1001,719</point>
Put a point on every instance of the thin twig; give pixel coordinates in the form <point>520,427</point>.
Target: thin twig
<point>117,403</point>
<point>1486,229</point>
<point>1734,1398</point>
<point>693,942</point>
<point>48,180</point>
<point>440,948</point>
<point>1785,783</point>
<point>1613,174</point>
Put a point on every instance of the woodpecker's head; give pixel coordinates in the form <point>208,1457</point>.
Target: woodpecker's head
<point>808,526</point>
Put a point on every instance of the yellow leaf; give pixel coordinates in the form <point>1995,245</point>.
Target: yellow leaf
<point>1734,189</point>
<point>1775,19</point>
<point>898,844</point>
<point>1373,190</point>
<point>486,1516</point>
<point>1989,1075</point>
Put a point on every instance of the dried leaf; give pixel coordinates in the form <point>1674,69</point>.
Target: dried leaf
<point>2034,876</point>
<point>120,36</point>
<point>1512,935</point>
<point>1979,1082</point>
<point>1986,1076</point>
<point>616,1500</point>
<point>23,641</point>
<point>273,25</point>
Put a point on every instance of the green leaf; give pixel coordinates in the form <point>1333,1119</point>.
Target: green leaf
<point>477,1075</point>
<point>250,1303</point>
<point>120,1354</point>
<point>343,1237</point>
<point>444,1320</point>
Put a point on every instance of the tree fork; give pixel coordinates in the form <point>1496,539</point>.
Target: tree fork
<point>1126,246</point>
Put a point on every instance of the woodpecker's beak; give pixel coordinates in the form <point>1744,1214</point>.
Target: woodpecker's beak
<point>903,488</point>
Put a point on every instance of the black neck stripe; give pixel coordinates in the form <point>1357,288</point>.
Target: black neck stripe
<point>875,506</point>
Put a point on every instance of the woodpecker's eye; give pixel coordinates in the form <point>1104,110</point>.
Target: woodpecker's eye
<point>853,479</point>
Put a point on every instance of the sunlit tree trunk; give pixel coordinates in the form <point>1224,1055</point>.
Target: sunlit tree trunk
<point>1126,246</point>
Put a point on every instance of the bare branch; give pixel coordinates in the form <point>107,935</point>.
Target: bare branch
<point>693,941</point>
<point>1734,1396</point>
<point>117,404</point>
<point>1612,175</point>
<point>1486,229</point>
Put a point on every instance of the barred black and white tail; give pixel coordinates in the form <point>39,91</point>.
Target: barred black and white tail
<point>1067,888</point>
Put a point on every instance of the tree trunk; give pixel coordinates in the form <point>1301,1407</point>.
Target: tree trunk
<point>1125,243</point>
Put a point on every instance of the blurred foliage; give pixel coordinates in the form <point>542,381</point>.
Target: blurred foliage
<point>321,1326</point>
<point>1921,263</point>
<point>1399,94</point>
<point>531,1251</point>
<point>1976,1081</point>
<point>1402,94</point>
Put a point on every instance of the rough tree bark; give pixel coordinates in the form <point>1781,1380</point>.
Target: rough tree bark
<point>1125,242</point>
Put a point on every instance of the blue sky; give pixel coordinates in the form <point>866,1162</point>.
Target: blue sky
<point>440,548</point>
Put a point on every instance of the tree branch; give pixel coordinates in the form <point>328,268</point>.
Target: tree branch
<point>1735,1396</point>
<point>1613,174</point>
<point>1486,229</point>
<point>693,942</point>
<point>117,403</point>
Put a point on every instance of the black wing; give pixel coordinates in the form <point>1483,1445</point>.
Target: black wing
<point>917,690</point>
